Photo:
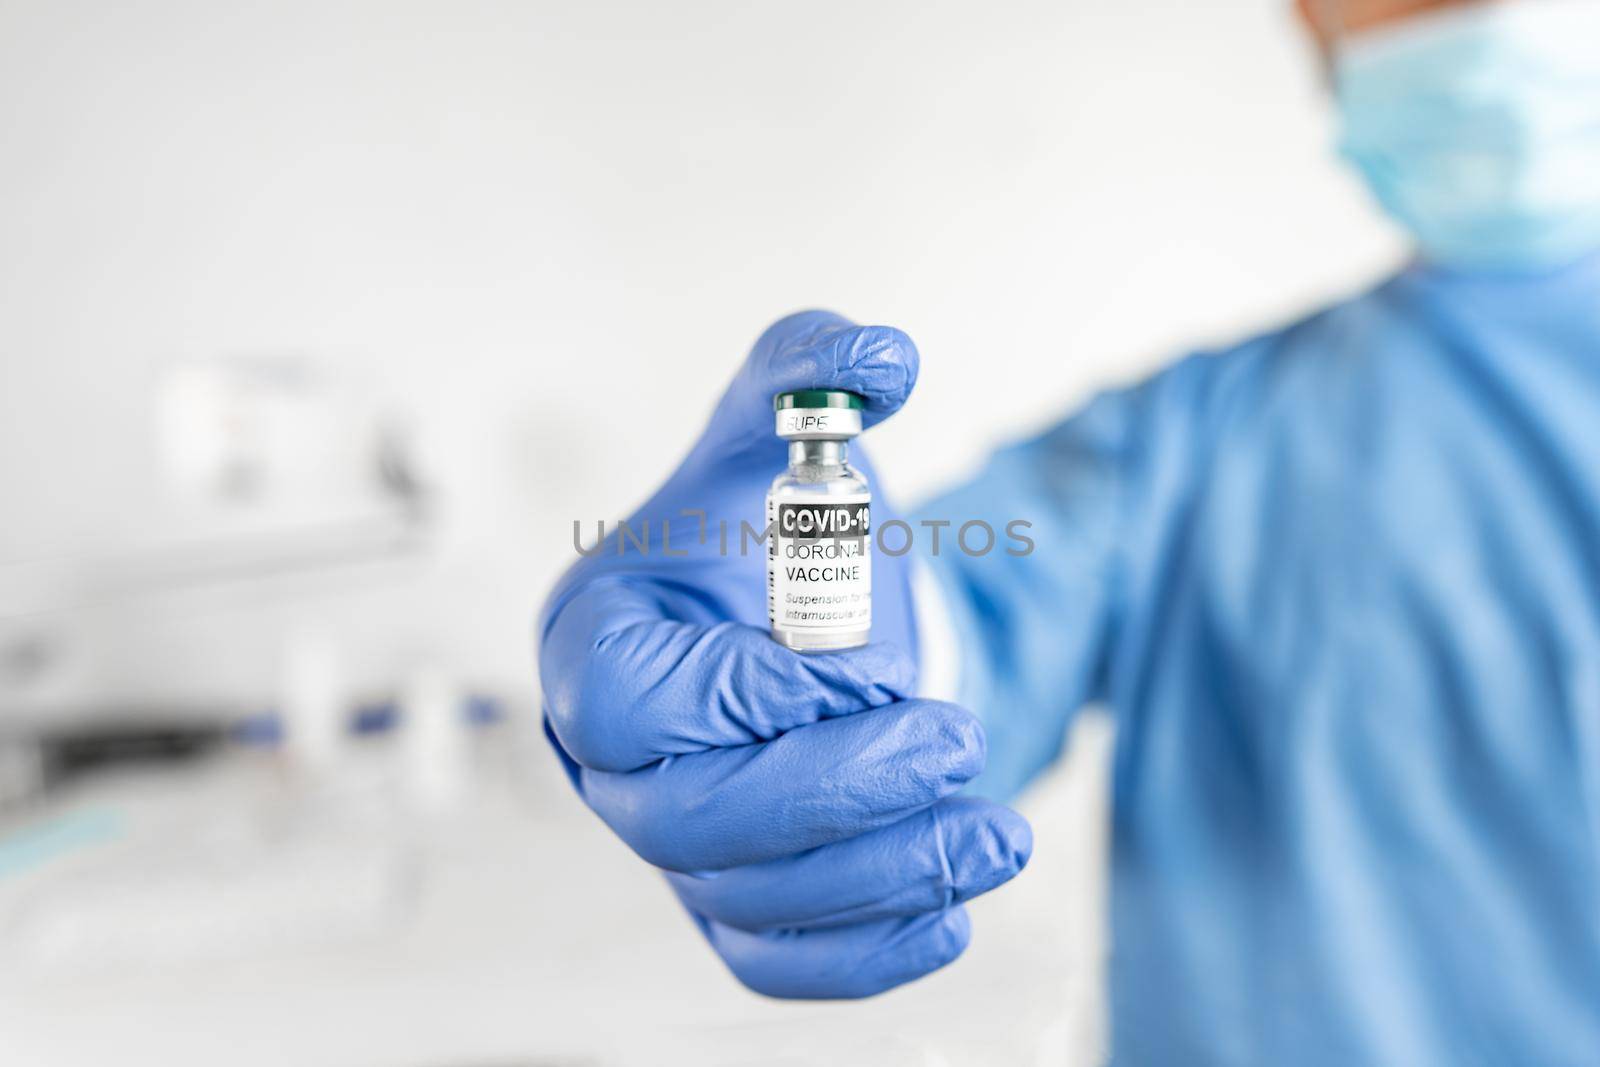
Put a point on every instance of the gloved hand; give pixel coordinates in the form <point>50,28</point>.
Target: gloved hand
<point>801,805</point>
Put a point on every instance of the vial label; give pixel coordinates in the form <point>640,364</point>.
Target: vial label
<point>819,563</point>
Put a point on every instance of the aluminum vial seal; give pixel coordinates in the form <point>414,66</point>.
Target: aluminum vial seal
<point>818,414</point>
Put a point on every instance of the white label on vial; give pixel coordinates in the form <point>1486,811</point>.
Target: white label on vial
<point>798,424</point>
<point>819,563</point>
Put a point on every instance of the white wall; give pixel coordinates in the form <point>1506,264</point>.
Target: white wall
<point>523,221</point>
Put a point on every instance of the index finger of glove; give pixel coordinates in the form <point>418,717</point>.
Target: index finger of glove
<point>625,685</point>
<point>822,783</point>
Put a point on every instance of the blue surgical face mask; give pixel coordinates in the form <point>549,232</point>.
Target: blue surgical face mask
<point>1479,130</point>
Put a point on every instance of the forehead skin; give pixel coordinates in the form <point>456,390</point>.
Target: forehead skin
<point>1355,15</point>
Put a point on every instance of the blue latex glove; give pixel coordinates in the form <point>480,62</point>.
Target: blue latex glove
<point>803,806</point>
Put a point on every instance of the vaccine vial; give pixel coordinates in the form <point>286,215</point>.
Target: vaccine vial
<point>819,560</point>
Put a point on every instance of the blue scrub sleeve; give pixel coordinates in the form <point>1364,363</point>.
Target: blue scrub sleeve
<point>1080,514</point>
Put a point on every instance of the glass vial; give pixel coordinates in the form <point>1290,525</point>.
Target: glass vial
<point>819,552</point>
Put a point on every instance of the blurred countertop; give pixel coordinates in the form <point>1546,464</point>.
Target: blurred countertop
<point>216,915</point>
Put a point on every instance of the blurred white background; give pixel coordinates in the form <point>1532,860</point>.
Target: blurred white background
<point>503,230</point>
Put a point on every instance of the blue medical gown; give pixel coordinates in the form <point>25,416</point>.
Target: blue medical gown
<point>1340,589</point>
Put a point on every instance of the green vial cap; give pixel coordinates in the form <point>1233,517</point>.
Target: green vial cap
<point>818,398</point>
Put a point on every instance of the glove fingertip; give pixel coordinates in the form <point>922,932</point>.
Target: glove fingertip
<point>821,350</point>
<point>883,363</point>
<point>985,845</point>
<point>961,737</point>
<point>1015,836</point>
<point>956,925</point>
<point>936,940</point>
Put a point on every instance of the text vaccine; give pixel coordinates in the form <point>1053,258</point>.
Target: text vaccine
<point>819,512</point>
